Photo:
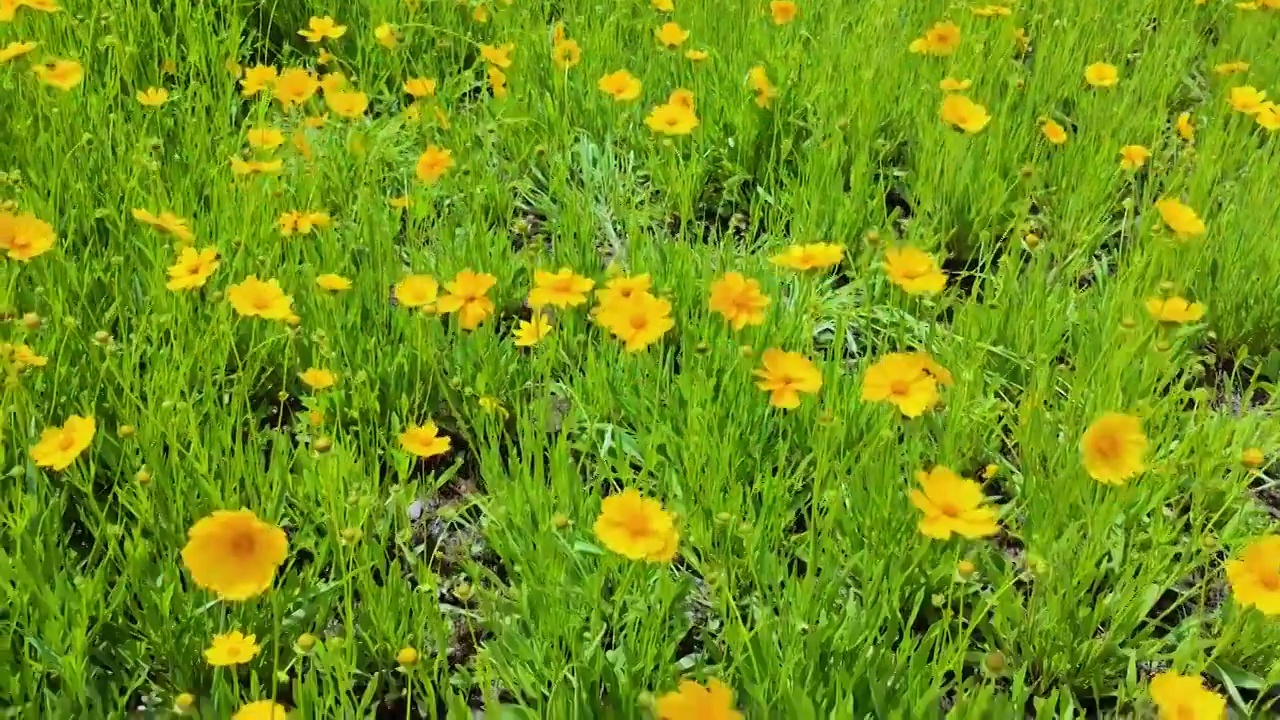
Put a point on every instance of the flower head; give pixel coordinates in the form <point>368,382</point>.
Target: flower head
<point>324,28</point>
<point>318,378</point>
<point>814,256</point>
<point>950,84</point>
<point>691,701</point>
<point>192,268</point>
<point>258,298</point>
<point>432,164</point>
<point>671,35</point>
<point>909,381</point>
<point>639,321</point>
<point>347,103</point>
<point>636,527</point>
<point>264,138</point>
<point>60,74</point>
<point>417,291</point>
<point>620,85</point>
<point>1231,68</point>
<point>1113,448</point>
<point>1247,99</point>
<point>952,504</point>
<point>1133,157</point>
<point>233,648</point>
<point>672,119</point>
<point>622,289</point>
<point>333,282</point>
<point>1184,697</point>
<point>468,297</point>
<point>739,300</point>
<point>942,39</point>
<point>914,270</point>
<point>15,50</point>
<point>758,80</point>
<point>25,236</point>
<point>424,440</point>
<point>387,35</point>
<point>165,222</point>
<point>1102,75</point>
<point>294,87</point>
<point>256,79</point>
<point>153,97</point>
<point>960,111</point>
<point>566,54</point>
<point>498,55</point>
<point>784,375</point>
<point>783,11</point>
<point>420,87</point>
<point>1180,218</point>
<point>1053,132</point>
<point>530,332</point>
<point>1175,310</point>
<point>1185,127</point>
<point>991,11</point>
<point>234,554</point>
<point>60,446</point>
<point>1255,575</point>
<point>562,289</point>
<point>261,710</point>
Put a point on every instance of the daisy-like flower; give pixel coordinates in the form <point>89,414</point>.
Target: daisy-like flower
<point>60,446</point>
<point>784,375</point>
<point>467,295</point>
<point>258,298</point>
<point>333,282</point>
<point>952,504</point>
<point>672,119</point>
<point>432,164</point>
<point>739,300</point>
<point>1052,131</point>
<point>914,270</point>
<point>638,323</point>
<point>61,74</point>
<point>347,103</point>
<point>387,35</point>
<point>265,139</point>
<point>942,39</point>
<point>961,112</point>
<point>950,84</point>
<point>1133,157</point>
<point>783,11</point>
<point>1246,99</point>
<point>261,710</point>
<point>1175,310</point>
<point>1180,218</point>
<point>24,236</point>
<point>420,87</point>
<point>294,87</point>
<point>1102,75</point>
<point>636,527</point>
<point>530,332</point>
<point>318,378</point>
<point>233,648</point>
<point>417,291</point>
<point>620,85</point>
<point>498,55</point>
<point>166,222</point>
<point>1254,576</point>
<point>814,256</point>
<point>909,381</point>
<point>153,97</point>
<point>192,268</point>
<point>258,78</point>
<point>758,80</point>
<point>566,54</point>
<point>1185,127</point>
<point>691,701</point>
<point>424,440</point>
<point>671,35</point>
<point>561,289</point>
<point>234,554</point>
<point>16,50</point>
<point>1184,697</point>
<point>1113,448</point>
<point>324,28</point>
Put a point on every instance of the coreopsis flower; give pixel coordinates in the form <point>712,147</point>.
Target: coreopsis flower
<point>16,50</point>
<point>332,82</point>
<point>1102,75</point>
<point>914,270</point>
<point>682,98</point>
<point>1246,99</point>
<point>420,87</point>
<point>1113,448</point>
<point>24,236</point>
<point>318,378</point>
<point>671,35</point>
<point>942,39</point>
<point>467,295</point>
<point>166,222</point>
<point>480,14</point>
<point>261,710</point>
<point>257,298</point>
<point>295,222</point>
<point>60,74</point>
<point>294,87</point>
<point>234,554</point>
<point>347,103</point>
<point>1133,157</point>
<point>153,97</point>
<point>562,289</point>
<point>1268,117</point>
<point>530,332</point>
<point>636,527</point>
<point>60,446</point>
<point>991,11</point>
<point>333,282</point>
<point>1184,697</point>
<point>407,657</point>
<point>192,268</point>
<point>233,648</point>
<point>961,112</point>
<point>663,5</point>
<point>1185,127</point>
<point>1022,39</point>
<point>417,291</point>
<point>424,440</point>
<point>813,256</point>
<point>639,322</point>
<point>784,375</point>
<point>256,79</point>
<point>1180,218</point>
<point>909,381</point>
<point>620,85</point>
<point>324,28</point>
<point>22,356</point>
<point>691,701</point>
<point>387,35</point>
<point>950,84</point>
<point>1252,458</point>
<point>240,166</point>
<point>498,55</point>
<point>432,164</point>
<point>783,11</point>
<point>1053,132</point>
<point>671,119</point>
<point>738,299</point>
<point>265,139</point>
<point>952,504</point>
<point>758,80</point>
<point>696,55</point>
<point>623,289</point>
<point>1231,68</point>
<point>497,81</point>
<point>1175,310</point>
<point>566,54</point>
<point>1255,575</point>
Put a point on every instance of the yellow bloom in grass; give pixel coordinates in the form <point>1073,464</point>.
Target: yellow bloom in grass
<point>61,74</point>
<point>302,223</point>
<point>814,256</point>
<point>480,14</point>
<point>1269,116</point>
<point>682,98</point>
<point>561,289</point>
<point>914,271</point>
<point>784,375</point>
<point>663,5</point>
<point>1175,310</point>
<point>417,291</point>
<point>1247,99</point>
<point>566,54</point>
<point>1184,697</point>
<point>620,85</point>
<point>424,440</point>
<point>636,527</point>
<point>691,701</point>
<point>153,97</point>
<point>942,39</point>
<point>166,222</point>
<point>240,166</point>
<point>1231,68</point>
<point>347,104</point>
<point>696,55</point>
<point>758,79</point>
<point>1255,576</point>
<point>24,357</point>
<point>234,554</point>
<point>498,55</point>
<point>24,236</point>
<point>324,28</point>
<point>1053,132</point>
<point>332,82</point>
<point>420,87</point>
<point>16,50</point>
<point>60,446</point>
<point>961,112</point>
<point>952,504</point>
<point>256,79</point>
<point>387,35</point>
<point>192,268</point>
<point>739,300</point>
<point>1133,157</point>
<point>991,11</point>
<point>294,87</point>
<point>671,35</point>
<point>256,298</point>
<point>620,290</point>
<point>232,648</point>
<point>497,82</point>
<point>333,282</point>
<point>1101,74</point>
<point>909,381</point>
<point>432,164</point>
<point>261,710</point>
<point>783,11</point>
<point>264,138</point>
<point>638,322</point>
<point>530,332</point>
<point>1185,127</point>
<point>671,119</point>
<point>1113,448</point>
<point>951,84</point>
<point>1180,218</point>
<point>468,297</point>
<point>318,378</point>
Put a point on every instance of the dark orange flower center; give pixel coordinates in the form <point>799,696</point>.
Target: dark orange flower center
<point>242,545</point>
<point>1107,447</point>
<point>949,509</point>
<point>639,322</point>
<point>1271,580</point>
<point>67,441</point>
<point>900,387</point>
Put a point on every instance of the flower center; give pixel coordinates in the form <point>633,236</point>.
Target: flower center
<point>639,322</point>
<point>899,387</point>
<point>1270,580</point>
<point>67,441</point>
<point>1107,447</point>
<point>242,545</point>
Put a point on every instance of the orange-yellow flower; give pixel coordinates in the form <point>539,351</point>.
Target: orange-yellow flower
<point>638,322</point>
<point>256,79</point>
<point>420,87</point>
<point>620,85</point>
<point>387,35</point>
<point>233,648</point>
<point>1185,127</point>
<point>1231,68</point>
<point>636,527</point>
<point>952,504</point>
<point>670,119</point>
<point>561,289</point>
<point>324,28</point>
<point>192,268</point>
<point>1053,132</point>
<point>1175,310</point>
<point>950,84</point>
<point>914,270</point>
<point>1133,157</point>
<point>256,298</point>
<point>622,289</point>
<point>1102,74</point>
<point>417,291</point>
<point>671,35</point>
<point>1113,448</point>
<point>907,380</point>
<point>61,74</point>
<point>468,297</point>
<point>942,39</point>
<point>165,222</point>
<point>1247,99</point>
<point>783,11</point>
<point>15,50</point>
<point>1180,218</point>
<point>739,300</point>
<point>264,138</point>
<point>294,87</point>
<point>530,332</point>
<point>1184,697</point>
<point>347,103</point>
<point>60,446</point>
<point>333,282</point>
<point>1255,575</point>
<point>153,97</point>
<point>566,54</point>
<point>261,710</point>
<point>498,55</point>
<point>424,440</point>
<point>318,378</point>
<point>758,79</point>
<point>691,701</point>
<point>24,236</point>
<point>784,375</point>
<point>432,164</point>
<point>813,256</point>
<point>234,554</point>
<point>964,113</point>
<point>991,11</point>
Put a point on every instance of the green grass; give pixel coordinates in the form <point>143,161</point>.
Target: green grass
<point>801,581</point>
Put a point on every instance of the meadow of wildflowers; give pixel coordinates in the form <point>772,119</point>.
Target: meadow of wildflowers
<point>648,359</point>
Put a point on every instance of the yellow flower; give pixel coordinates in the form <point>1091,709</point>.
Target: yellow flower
<point>417,291</point>
<point>61,74</point>
<point>758,79</point>
<point>497,82</point>
<point>672,119</point>
<point>60,446</point>
<point>232,648</point>
<point>498,55</point>
<point>48,6</point>
<point>347,104</point>
<point>739,300</point>
<point>1133,157</point>
<point>25,236</point>
<point>561,289</point>
<point>420,87</point>
<point>952,504</point>
<point>636,527</point>
<point>813,256</point>
<point>531,331</point>
<point>1181,219</point>
<point>623,289</point>
<point>424,440</point>
<point>1251,458</point>
<point>256,79</point>
<point>1053,132</point>
<point>691,701</point>
<point>153,97</point>
<point>324,28</point>
<point>964,113</point>
<point>671,35</point>
<point>264,138</point>
<point>261,710</point>
<point>1255,576</point>
<point>15,50</point>
<point>432,164</point>
<point>255,298</point>
<point>621,85</point>
<point>192,268</point>
<point>638,323</point>
<point>784,375</point>
<point>1247,99</point>
<point>332,82</point>
<point>240,166</point>
<point>165,222</point>
<point>914,271</point>
<point>1175,310</point>
<point>951,84</point>
<point>1269,116</point>
<point>991,11</point>
<point>333,282</point>
<point>696,55</point>
<point>1184,697</point>
<point>1101,74</point>
<point>663,5</point>
<point>480,14</point>
<point>682,98</point>
<point>294,87</point>
<point>566,54</point>
<point>318,378</point>
<point>407,657</point>
<point>387,35</point>
<point>1231,68</point>
<point>1113,447</point>
<point>234,554</point>
<point>783,11</point>
<point>907,380</point>
<point>1186,129</point>
<point>24,357</point>
<point>468,297</point>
